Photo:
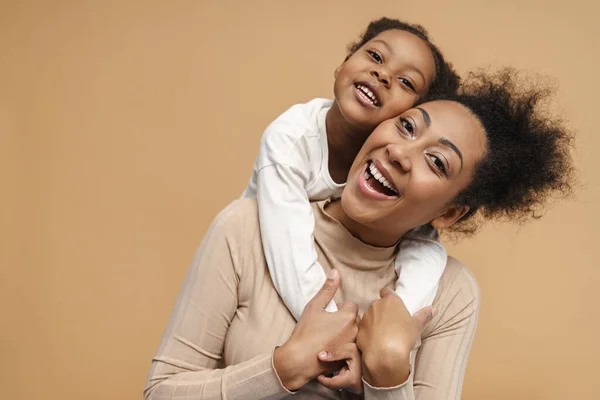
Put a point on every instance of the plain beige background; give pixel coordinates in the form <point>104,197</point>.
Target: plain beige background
<point>126,125</point>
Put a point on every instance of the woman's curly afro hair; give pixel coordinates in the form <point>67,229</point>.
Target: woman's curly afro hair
<point>528,157</point>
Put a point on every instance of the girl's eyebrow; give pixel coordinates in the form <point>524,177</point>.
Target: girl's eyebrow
<point>385,44</point>
<point>391,50</point>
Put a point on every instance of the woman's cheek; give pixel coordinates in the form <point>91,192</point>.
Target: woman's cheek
<point>422,187</point>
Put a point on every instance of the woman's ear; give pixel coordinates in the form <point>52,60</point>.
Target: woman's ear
<point>449,217</point>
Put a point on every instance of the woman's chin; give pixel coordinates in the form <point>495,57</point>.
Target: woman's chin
<point>359,211</point>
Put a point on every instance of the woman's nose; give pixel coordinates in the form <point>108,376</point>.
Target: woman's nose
<point>400,156</point>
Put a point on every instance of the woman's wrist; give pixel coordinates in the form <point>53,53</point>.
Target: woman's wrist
<point>289,367</point>
<point>386,368</point>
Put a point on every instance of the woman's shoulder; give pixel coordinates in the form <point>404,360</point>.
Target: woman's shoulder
<point>238,217</point>
<point>458,278</point>
<point>457,299</point>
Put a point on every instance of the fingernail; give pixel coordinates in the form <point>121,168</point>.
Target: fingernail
<point>323,354</point>
<point>332,274</point>
<point>433,311</point>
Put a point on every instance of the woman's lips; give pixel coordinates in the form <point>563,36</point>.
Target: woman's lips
<point>369,190</point>
<point>376,167</point>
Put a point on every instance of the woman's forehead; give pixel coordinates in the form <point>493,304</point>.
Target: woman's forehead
<point>445,116</point>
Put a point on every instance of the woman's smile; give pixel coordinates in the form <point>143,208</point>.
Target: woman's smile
<point>376,183</point>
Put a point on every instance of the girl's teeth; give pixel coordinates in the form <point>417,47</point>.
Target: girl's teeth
<point>368,93</point>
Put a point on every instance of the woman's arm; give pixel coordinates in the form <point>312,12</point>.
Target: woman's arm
<point>192,345</point>
<point>187,362</point>
<point>438,371</point>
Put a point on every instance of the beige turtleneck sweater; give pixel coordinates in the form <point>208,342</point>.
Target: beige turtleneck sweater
<point>229,318</point>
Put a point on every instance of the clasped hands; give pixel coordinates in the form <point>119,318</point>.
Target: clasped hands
<point>375,348</point>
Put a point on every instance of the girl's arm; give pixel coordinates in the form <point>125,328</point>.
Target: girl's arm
<point>287,229</point>
<point>286,165</point>
<point>419,266</point>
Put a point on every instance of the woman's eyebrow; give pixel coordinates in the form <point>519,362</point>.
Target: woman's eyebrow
<point>426,116</point>
<point>453,147</point>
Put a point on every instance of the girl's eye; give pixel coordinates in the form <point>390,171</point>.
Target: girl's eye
<point>439,164</point>
<point>407,126</point>
<point>407,83</point>
<point>375,56</point>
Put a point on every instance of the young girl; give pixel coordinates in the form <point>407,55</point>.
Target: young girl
<point>306,153</point>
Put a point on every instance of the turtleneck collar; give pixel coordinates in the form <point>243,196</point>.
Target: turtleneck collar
<point>331,234</point>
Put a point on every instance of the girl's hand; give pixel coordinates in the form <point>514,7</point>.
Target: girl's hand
<point>387,334</point>
<point>349,377</point>
<point>296,362</point>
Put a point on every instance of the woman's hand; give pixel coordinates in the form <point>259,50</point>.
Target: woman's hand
<point>296,362</point>
<point>349,377</point>
<point>387,334</point>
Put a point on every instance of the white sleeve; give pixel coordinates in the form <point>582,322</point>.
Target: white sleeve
<point>283,171</point>
<point>420,263</point>
<point>287,230</point>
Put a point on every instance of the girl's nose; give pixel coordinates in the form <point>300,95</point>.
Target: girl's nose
<point>382,76</point>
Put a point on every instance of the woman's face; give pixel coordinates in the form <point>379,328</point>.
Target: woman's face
<point>412,167</point>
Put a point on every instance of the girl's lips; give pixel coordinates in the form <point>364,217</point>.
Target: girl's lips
<point>363,99</point>
<point>367,190</point>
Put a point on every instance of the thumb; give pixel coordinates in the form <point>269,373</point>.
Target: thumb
<point>424,316</point>
<point>386,292</point>
<point>327,291</point>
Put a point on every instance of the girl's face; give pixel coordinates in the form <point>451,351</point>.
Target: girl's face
<point>412,167</point>
<point>384,78</point>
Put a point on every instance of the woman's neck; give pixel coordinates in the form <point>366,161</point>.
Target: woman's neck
<point>344,142</point>
<point>366,234</point>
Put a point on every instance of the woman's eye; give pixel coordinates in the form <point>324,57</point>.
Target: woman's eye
<point>439,164</point>
<point>407,83</point>
<point>407,126</point>
<point>375,56</point>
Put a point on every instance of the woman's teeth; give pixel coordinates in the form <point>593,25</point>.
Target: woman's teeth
<point>369,95</point>
<point>374,172</point>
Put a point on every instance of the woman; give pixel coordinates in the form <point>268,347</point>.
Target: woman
<point>230,336</point>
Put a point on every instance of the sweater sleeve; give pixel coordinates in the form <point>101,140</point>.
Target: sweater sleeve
<point>441,360</point>
<point>186,366</point>
<point>419,265</point>
<point>286,218</point>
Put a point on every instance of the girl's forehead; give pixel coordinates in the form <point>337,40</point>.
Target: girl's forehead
<point>397,37</point>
